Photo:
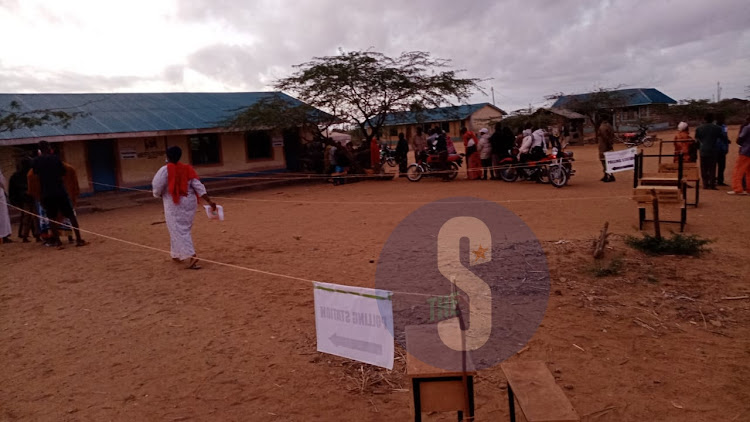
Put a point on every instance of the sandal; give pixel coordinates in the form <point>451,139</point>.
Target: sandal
<point>194,264</point>
<point>80,243</point>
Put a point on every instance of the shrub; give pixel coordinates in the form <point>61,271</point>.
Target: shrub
<point>678,244</point>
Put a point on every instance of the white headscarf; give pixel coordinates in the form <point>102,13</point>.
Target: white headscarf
<point>682,126</point>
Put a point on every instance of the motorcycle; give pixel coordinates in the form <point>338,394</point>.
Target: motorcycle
<point>555,168</point>
<point>387,156</point>
<point>632,139</point>
<point>429,165</point>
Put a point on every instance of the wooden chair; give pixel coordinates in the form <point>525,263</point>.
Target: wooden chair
<point>539,397</point>
<point>435,388</point>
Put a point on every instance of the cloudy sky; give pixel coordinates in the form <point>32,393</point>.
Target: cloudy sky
<point>529,48</point>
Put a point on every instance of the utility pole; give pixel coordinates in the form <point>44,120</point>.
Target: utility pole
<point>493,94</point>
<point>718,92</point>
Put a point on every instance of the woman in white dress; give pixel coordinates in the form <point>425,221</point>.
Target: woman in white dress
<point>178,186</point>
<point>5,228</point>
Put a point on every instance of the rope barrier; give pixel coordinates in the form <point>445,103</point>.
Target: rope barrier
<point>210,261</point>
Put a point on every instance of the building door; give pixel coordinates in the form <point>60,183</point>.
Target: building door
<point>101,156</point>
<point>292,149</point>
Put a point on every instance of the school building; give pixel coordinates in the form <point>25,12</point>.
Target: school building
<point>121,139</point>
<point>450,119</point>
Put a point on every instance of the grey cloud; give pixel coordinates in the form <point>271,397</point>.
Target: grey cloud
<point>28,80</point>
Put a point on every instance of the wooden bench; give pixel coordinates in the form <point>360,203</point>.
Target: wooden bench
<point>644,196</point>
<point>539,397</point>
<point>444,387</point>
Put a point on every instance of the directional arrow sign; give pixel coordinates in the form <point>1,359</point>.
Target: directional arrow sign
<point>355,323</point>
<point>362,346</point>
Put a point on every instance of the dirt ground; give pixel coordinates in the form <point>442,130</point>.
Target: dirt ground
<point>117,332</point>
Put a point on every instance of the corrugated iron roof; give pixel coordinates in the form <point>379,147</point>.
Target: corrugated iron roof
<point>123,113</point>
<point>440,114</point>
<point>630,97</point>
<point>568,114</point>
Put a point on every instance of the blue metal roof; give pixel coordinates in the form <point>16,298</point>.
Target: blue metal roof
<point>120,113</point>
<point>440,114</point>
<point>631,97</point>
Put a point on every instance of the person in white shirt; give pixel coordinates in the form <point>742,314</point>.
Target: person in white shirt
<point>485,153</point>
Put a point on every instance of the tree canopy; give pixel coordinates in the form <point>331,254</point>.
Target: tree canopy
<point>363,87</point>
<point>13,117</point>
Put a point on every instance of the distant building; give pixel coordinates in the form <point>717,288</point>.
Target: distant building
<point>450,119</point>
<point>569,124</point>
<point>630,107</point>
<point>122,138</point>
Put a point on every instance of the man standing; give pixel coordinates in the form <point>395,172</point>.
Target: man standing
<point>471,145</point>
<point>402,152</point>
<point>418,143</point>
<point>722,149</point>
<point>606,135</point>
<point>54,198</point>
<point>708,136</point>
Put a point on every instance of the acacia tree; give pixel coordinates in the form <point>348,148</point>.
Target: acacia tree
<point>281,112</point>
<point>363,87</point>
<point>14,117</point>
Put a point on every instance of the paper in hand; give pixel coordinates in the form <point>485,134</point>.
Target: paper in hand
<point>215,215</point>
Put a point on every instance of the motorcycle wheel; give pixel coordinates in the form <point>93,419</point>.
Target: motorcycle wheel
<point>558,177</point>
<point>648,141</point>
<point>453,171</point>
<point>414,173</point>
<point>543,175</point>
<point>391,161</point>
<point>509,174</point>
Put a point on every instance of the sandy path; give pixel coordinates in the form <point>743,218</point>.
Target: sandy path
<point>114,332</point>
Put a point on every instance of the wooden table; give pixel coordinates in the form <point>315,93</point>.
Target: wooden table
<point>539,396</point>
<point>436,389</point>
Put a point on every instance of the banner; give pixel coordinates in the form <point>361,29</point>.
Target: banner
<point>618,161</point>
<point>355,323</point>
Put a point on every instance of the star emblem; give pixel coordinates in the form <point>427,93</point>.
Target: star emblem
<point>479,253</point>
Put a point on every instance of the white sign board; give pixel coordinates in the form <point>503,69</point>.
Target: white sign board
<point>128,153</point>
<point>618,161</point>
<point>355,323</point>
<point>277,141</point>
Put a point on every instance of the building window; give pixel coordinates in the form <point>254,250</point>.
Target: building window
<point>258,145</point>
<point>446,126</point>
<point>393,132</point>
<point>205,149</point>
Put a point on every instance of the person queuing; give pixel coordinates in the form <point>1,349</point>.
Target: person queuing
<point>606,135</point>
<point>708,136</point>
<point>683,144</point>
<point>54,198</point>
<point>721,151</point>
<point>5,228</point>
<point>418,143</point>
<point>402,152</point>
<point>485,153</point>
<point>473,161</point>
<point>742,166</point>
<point>18,191</point>
<point>178,186</point>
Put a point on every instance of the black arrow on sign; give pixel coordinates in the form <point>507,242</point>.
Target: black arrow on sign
<point>360,345</point>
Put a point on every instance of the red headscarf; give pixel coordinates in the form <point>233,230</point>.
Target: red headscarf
<point>179,175</point>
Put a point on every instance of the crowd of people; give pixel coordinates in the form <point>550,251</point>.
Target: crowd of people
<point>45,190</point>
<point>712,144</point>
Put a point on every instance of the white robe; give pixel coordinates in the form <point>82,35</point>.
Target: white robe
<point>5,228</point>
<point>179,216</point>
